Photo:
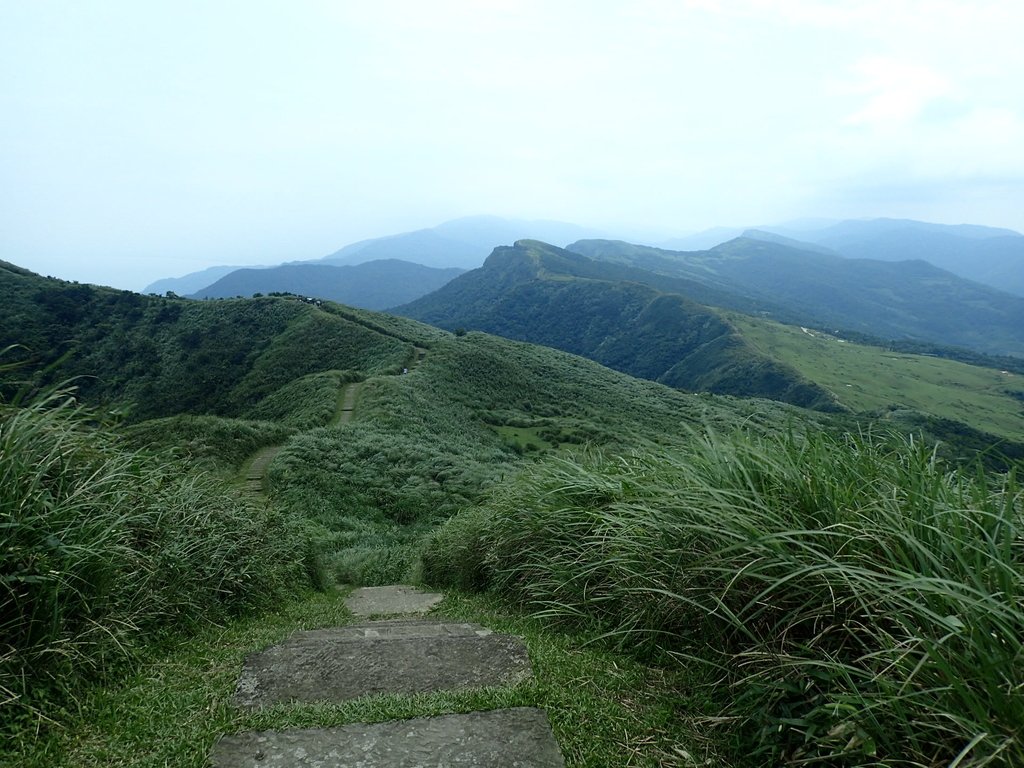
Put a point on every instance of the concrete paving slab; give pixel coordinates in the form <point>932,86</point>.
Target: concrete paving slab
<point>380,657</point>
<point>399,598</point>
<point>504,738</point>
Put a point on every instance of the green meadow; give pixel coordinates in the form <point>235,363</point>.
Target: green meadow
<point>866,378</point>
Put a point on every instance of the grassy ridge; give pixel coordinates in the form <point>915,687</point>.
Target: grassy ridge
<point>149,357</point>
<point>429,443</point>
<point>860,603</point>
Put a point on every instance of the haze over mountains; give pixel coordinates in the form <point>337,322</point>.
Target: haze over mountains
<point>889,300</point>
<point>377,284</point>
<point>986,255</point>
<point>462,243</point>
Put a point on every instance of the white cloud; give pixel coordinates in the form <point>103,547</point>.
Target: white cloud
<point>896,91</point>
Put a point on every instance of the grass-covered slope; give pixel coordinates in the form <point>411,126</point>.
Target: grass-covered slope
<point>373,285</point>
<point>427,444</point>
<point>856,601</point>
<point>892,300</point>
<point>869,378</point>
<point>103,549</point>
<point>151,357</point>
<point>627,319</point>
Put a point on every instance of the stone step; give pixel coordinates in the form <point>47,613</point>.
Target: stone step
<point>371,601</point>
<point>504,738</point>
<point>349,662</point>
<point>387,630</point>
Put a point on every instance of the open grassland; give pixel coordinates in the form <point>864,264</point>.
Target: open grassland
<point>856,601</point>
<point>424,445</point>
<point>866,378</point>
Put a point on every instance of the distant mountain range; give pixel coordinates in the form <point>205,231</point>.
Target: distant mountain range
<point>373,285</point>
<point>988,255</point>
<point>890,300</point>
<point>190,283</point>
<point>463,243</point>
<point>888,278</point>
<point>634,308</point>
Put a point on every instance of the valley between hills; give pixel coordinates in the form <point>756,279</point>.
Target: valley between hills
<point>750,505</point>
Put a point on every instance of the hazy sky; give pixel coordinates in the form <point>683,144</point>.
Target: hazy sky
<point>143,139</point>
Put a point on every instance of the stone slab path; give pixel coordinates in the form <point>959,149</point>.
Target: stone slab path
<point>344,664</point>
<point>257,468</point>
<point>504,738</point>
<point>402,655</point>
<point>371,601</point>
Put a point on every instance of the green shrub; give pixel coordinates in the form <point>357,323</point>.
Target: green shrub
<point>209,441</point>
<point>863,603</point>
<point>455,554</point>
<point>305,403</point>
<point>374,565</point>
<point>102,549</point>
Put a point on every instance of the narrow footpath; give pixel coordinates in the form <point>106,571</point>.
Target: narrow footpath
<point>347,403</point>
<point>254,472</point>
<point>395,652</point>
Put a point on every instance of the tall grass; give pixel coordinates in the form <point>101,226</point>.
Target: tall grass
<point>102,549</point>
<point>863,604</point>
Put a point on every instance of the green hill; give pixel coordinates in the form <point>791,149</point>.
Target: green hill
<point>251,367</point>
<point>626,318</point>
<point>217,380</point>
<point>147,356</point>
<point>900,300</point>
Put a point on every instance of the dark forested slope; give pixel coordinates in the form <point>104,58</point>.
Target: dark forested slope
<point>159,356</point>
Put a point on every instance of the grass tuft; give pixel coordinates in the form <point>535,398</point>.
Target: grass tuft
<point>862,602</point>
<point>104,550</point>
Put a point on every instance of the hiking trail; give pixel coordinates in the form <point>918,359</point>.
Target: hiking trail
<point>406,652</point>
<point>254,471</point>
<point>394,649</point>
